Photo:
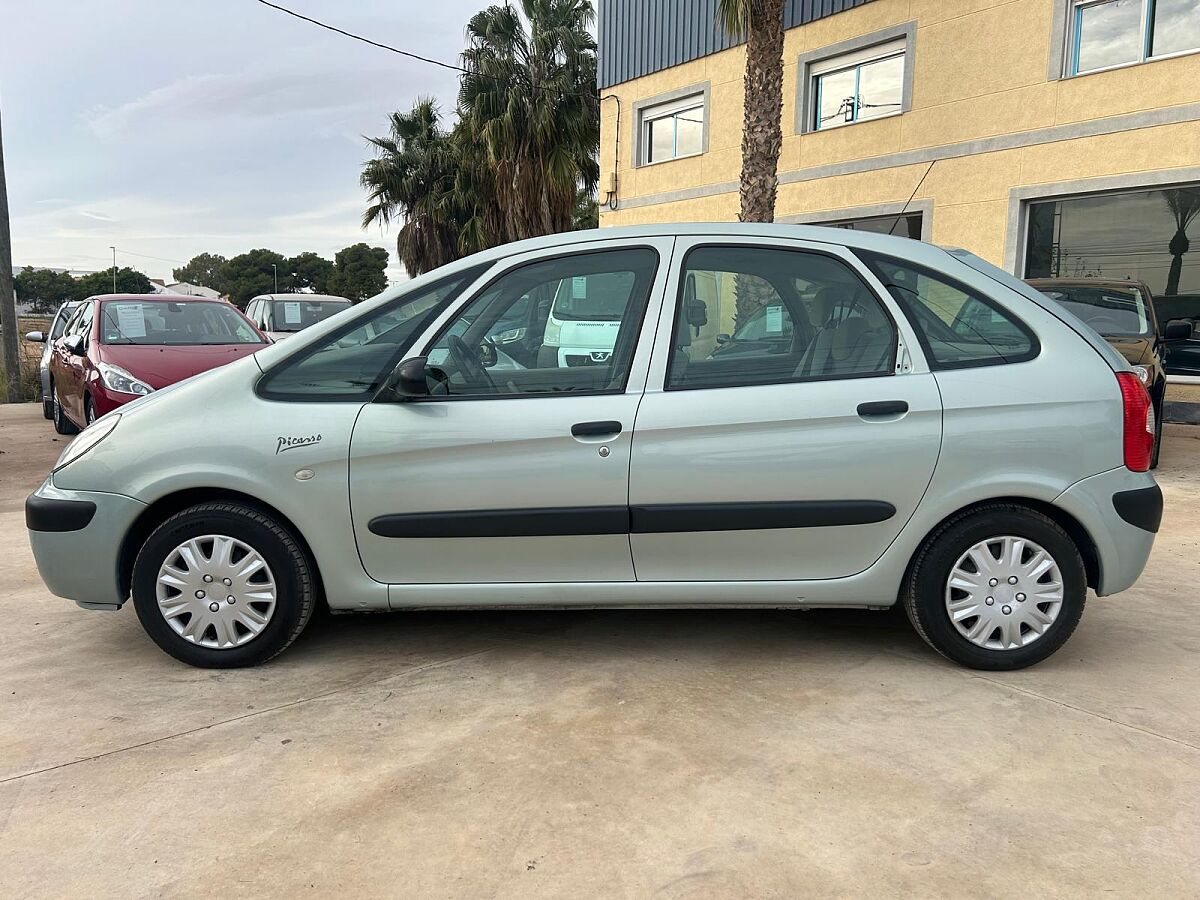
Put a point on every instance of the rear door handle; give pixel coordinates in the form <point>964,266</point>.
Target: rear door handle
<point>882,408</point>
<point>596,429</point>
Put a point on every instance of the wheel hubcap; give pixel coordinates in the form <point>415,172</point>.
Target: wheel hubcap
<point>228,613</point>
<point>1004,593</point>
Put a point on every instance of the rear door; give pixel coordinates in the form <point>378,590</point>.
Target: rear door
<point>795,451</point>
<point>511,472</point>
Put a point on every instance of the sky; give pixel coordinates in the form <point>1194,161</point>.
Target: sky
<point>173,127</point>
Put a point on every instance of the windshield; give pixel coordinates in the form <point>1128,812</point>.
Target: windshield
<point>296,315</point>
<point>1109,310</point>
<point>602,296</point>
<point>187,323</point>
<point>61,320</point>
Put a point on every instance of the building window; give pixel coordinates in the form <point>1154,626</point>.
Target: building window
<point>672,130</point>
<point>856,87</point>
<point>1106,34</point>
<point>1141,235</point>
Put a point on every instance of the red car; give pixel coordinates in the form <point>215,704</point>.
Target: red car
<point>118,347</point>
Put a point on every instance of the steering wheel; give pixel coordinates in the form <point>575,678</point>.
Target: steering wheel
<point>472,368</point>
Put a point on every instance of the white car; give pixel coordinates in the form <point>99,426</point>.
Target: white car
<point>921,428</point>
<point>280,316</point>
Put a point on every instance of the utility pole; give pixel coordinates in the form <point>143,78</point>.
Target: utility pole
<point>275,270</point>
<point>8,299</point>
<point>114,250</point>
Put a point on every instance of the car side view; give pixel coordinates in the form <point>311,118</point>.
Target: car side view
<point>902,424</point>
<point>52,333</point>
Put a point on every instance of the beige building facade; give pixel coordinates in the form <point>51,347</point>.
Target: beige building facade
<point>1047,136</point>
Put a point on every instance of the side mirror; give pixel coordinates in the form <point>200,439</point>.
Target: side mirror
<point>409,379</point>
<point>36,337</point>
<point>1178,330</point>
<point>74,344</point>
<point>723,338</point>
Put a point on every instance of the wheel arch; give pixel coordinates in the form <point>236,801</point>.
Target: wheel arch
<point>166,506</point>
<point>1073,527</point>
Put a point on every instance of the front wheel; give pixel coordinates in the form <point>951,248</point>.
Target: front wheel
<point>999,587</point>
<point>223,585</point>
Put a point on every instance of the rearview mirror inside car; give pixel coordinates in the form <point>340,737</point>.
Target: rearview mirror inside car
<point>37,337</point>
<point>723,338</point>
<point>1178,330</point>
<point>488,354</point>
<point>409,379</point>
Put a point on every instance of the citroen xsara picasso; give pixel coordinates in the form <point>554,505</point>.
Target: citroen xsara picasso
<point>912,425</point>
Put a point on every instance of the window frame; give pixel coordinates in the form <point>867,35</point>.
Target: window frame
<point>868,258</point>
<point>430,344</point>
<point>677,306</point>
<point>899,40</point>
<point>1072,36</point>
<point>262,388</point>
<point>667,105</point>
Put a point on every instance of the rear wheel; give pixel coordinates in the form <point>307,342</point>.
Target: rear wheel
<point>62,424</point>
<point>1158,427</point>
<point>89,411</point>
<point>999,587</point>
<point>48,408</point>
<point>222,585</point>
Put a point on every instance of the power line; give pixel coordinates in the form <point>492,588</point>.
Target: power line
<point>418,57</point>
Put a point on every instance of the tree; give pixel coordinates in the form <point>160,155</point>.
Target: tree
<point>761,23</point>
<point>587,211</point>
<point>310,272</point>
<point>360,272</point>
<point>413,178</point>
<point>1184,204</point>
<point>205,269</point>
<point>528,100</point>
<point>44,289</point>
<point>249,274</point>
<point>129,281</point>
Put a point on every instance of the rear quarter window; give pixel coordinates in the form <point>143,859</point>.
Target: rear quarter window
<point>958,326</point>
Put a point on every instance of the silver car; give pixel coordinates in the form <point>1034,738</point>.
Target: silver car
<point>53,332</point>
<point>911,426</point>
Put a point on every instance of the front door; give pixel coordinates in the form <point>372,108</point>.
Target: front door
<point>788,429</point>
<point>516,467</point>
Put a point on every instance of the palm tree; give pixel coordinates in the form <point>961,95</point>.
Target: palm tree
<point>412,178</point>
<point>761,23</point>
<point>1184,204</point>
<point>528,101</point>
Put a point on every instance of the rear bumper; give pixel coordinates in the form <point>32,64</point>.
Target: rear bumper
<point>76,538</point>
<point>1120,510</point>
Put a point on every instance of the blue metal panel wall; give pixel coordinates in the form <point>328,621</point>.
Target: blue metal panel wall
<point>638,37</point>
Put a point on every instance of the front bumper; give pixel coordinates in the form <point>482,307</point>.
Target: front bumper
<point>1108,505</point>
<point>76,538</point>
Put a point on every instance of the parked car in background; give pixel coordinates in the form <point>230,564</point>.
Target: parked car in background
<point>1183,356</point>
<point>52,333</point>
<point>902,448</point>
<point>118,347</point>
<point>1123,313</point>
<point>279,316</point>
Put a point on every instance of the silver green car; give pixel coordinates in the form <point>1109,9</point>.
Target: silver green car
<point>910,425</point>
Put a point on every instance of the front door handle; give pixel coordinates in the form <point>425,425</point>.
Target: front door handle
<point>882,409</point>
<point>596,429</point>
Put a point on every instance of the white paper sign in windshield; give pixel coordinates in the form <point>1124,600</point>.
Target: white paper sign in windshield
<point>774,320</point>
<point>130,320</point>
<point>291,312</point>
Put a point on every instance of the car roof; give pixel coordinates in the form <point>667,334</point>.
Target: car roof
<point>307,298</point>
<point>157,298</point>
<point>1085,282</point>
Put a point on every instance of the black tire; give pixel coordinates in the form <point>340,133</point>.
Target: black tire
<point>292,570</point>
<point>62,424</point>
<point>89,412</point>
<point>48,408</point>
<point>923,593</point>
<point>1158,428</point>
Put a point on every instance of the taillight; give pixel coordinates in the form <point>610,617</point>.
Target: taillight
<point>1138,422</point>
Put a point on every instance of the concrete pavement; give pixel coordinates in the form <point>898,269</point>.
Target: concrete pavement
<point>600,754</point>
